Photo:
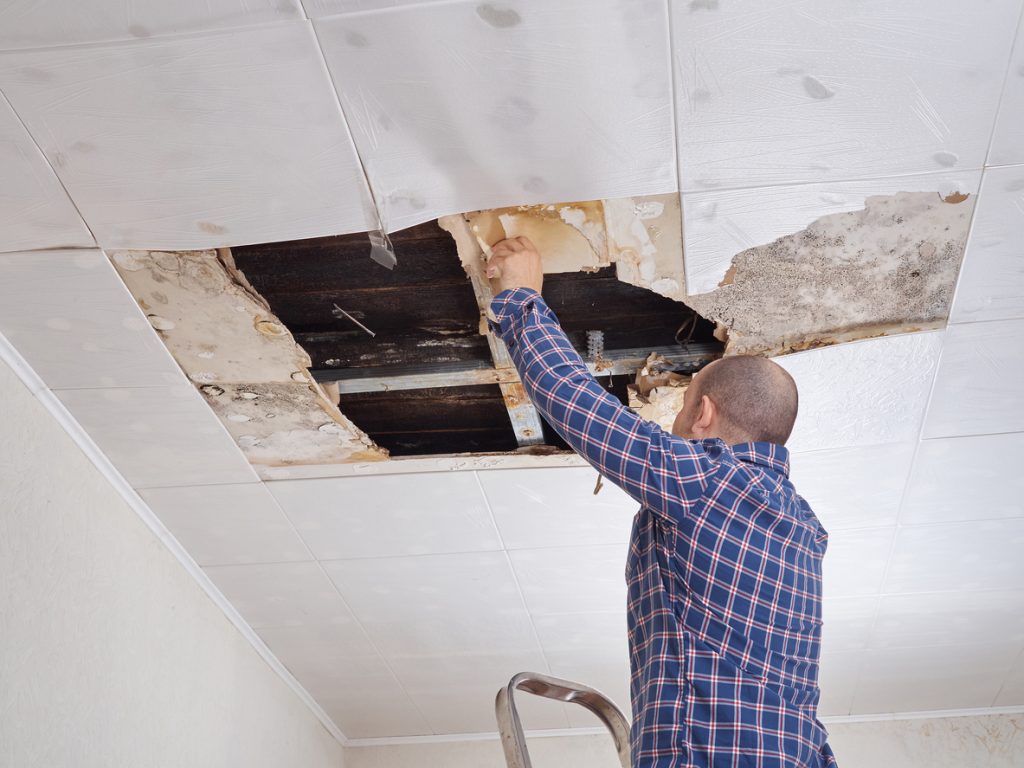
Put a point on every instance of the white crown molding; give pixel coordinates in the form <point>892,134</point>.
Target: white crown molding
<point>10,356</point>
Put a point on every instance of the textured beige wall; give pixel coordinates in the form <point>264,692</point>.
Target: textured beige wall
<point>995,741</point>
<point>110,653</point>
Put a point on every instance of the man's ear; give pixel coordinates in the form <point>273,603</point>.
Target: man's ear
<point>708,414</point>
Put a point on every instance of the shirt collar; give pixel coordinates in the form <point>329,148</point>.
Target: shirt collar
<point>770,455</point>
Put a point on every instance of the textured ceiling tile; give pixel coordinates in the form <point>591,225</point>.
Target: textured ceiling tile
<point>506,104</point>
<point>557,507</point>
<point>991,283</point>
<point>718,224</point>
<point>1007,147</point>
<point>194,142</point>
<point>854,487</point>
<point>568,579</point>
<point>328,659</point>
<point>69,315</point>
<point>227,524</point>
<point>436,605</point>
<point>159,436</point>
<point>419,514</point>
<point>35,24</point>
<point>815,90</point>
<point>281,594</point>
<point>948,473</point>
<point>978,387</point>
<point>855,562</point>
<point>376,713</point>
<point>317,8</point>
<point>938,618</point>
<point>1012,692</point>
<point>35,211</point>
<point>837,678</point>
<point>957,556</point>
<point>864,393</point>
<point>847,622</point>
<point>932,677</point>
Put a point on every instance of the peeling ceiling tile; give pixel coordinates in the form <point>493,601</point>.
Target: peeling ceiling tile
<point>414,514</point>
<point>227,524</point>
<point>991,283</point>
<point>856,394</point>
<point>975,555</point>
<point>719,225</point>
<point>194,142</point>
<point>1006,144</point>
<point>35,211</point>
<point>943,486</point>
<point>32,24</point>
<point>815,90</point>
<point>854,487</point>
<point>69,315</point>
<point>158,436</point>
<point>978,389</point>
<point>932,677</point>
<point>505,104</point>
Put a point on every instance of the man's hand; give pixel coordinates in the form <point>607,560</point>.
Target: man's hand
<point>515,263</point>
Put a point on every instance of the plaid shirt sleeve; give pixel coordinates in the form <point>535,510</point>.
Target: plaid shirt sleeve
<point>663,472</point>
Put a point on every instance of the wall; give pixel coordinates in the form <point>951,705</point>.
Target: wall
<point>995,741</point>
<point>110,653</point>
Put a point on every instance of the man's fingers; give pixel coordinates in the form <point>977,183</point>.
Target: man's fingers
<point>525,243</point>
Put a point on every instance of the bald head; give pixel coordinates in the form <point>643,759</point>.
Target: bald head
<point>754,399</point>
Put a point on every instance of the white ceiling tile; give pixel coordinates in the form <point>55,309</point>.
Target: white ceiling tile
<point>435,605</point>
<point>762,99</point>
<point>991,285</point>
<point>853,487</point>
<point>456,693</point>
<point>506,104</point>
<point>317,8</point>
<point>946,618</point>
<point>557,507</point>
<point>227,524</point>
<point>868,392</point>
<point>159,436</point>
<point>375,713</point>
<point>957,556</point>
<point>1006,144</point>
<point>1012,692</point>
<point>419,514</point>
<point>978,386</point>
<point>32,24</point>
<point>35,211</point>
<point>194,142</point>
<point>837,679</point>
<point>718,224</point>
<point>329,660</point>
<point>855,561</point>
<point>70,316</point>
<point>281,594</point>
<point>932,677</point>
<point>966,478</point>
<point>847,622</point>
<point>595,638</point>
<point>567,579</point>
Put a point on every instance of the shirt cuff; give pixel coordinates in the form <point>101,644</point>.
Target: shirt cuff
<point>509,305</point>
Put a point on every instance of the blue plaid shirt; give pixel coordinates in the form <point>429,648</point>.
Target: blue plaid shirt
<point>724,569</point>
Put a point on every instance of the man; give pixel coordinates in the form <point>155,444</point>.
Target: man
<point>724,568</point>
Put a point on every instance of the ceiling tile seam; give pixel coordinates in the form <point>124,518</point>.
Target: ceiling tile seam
<point>843,180</point>
<point>519,586</point>
<point>127,41</point>
<point>1003,165</point>
<point>46,249</point>
<point>1006,676</point>
<point>1001,104</point>
<point>46,160</point>
<point>969,436</point>
<point>903,646</point>
<point>1012,318</point>
<point>676,162</point>
<point>373,644</point>
<point>389,9</point>
<point>975,217</point>
<point>77,433</point>
<point>291,523</point>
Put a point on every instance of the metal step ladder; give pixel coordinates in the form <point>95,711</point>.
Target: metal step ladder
<point>511,728</point>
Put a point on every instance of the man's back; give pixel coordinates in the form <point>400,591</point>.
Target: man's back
<point>724,570</point>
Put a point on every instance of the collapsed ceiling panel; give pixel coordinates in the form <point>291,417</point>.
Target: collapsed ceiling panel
<point>813,90</point>
<point>503,104</point>
<point>259,152</point>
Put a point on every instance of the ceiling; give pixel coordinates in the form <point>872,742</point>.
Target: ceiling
<point>401,594</point>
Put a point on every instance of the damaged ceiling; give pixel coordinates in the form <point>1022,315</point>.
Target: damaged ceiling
<point>183,261</point>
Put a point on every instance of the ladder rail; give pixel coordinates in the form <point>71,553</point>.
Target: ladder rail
<point>513,740</point>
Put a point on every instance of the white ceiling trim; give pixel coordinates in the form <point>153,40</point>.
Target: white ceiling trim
<point>10,356</point>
